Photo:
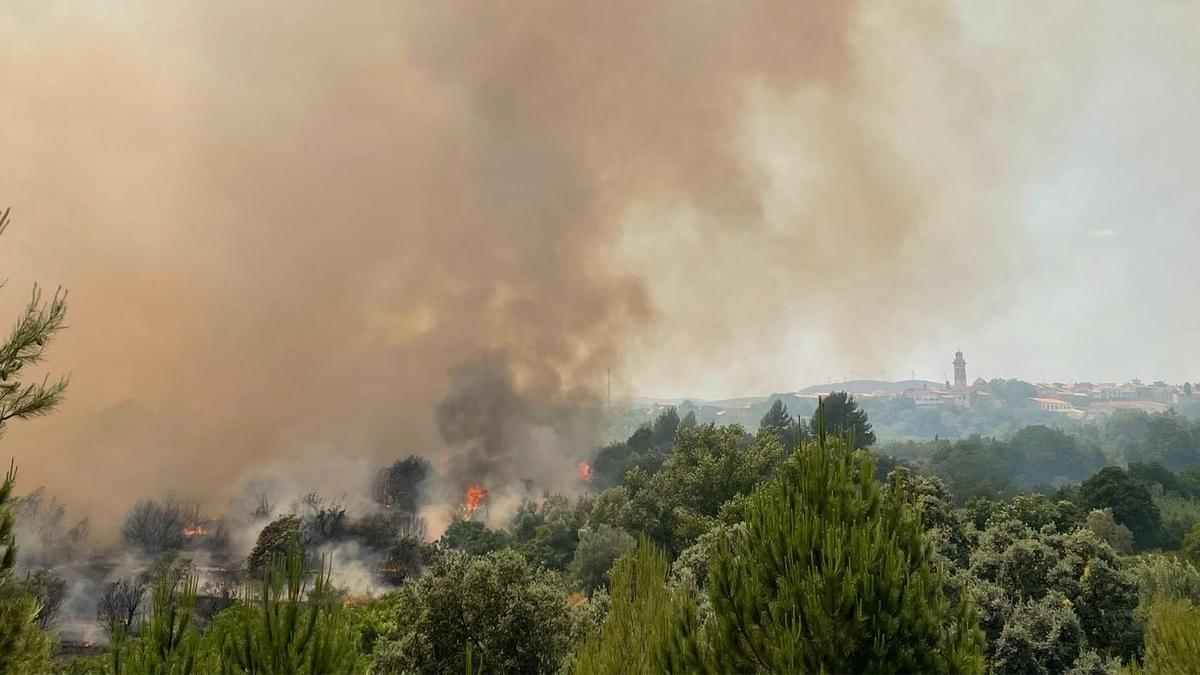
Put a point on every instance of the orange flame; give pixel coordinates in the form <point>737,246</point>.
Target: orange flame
<point>355,600</point>
<point>195,531</point>
<point>474,497</point>
<point>585,472</point>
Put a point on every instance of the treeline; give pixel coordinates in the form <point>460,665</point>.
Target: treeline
<point>649,445</point>
<point>534,596</point>
<point>1045,457</point>
<point>1011,411</point>
<point>721,550</point>
<point>898,417</point>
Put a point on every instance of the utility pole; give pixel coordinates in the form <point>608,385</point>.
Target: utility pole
<point>609,397</point>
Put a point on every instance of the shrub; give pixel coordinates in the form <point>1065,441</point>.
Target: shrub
<point>598,549</point>
<point>513,615</point>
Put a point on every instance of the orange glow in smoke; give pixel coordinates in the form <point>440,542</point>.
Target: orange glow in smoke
<point>195,531</point>
<point>585,472</point>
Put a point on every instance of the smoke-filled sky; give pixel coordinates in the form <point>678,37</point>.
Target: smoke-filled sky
<point>360,230</point>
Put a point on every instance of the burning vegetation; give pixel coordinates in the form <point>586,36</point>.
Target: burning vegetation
<point>196,531</point>
<point>472,500</point>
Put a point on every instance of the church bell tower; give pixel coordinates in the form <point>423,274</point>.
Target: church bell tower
<point>960,372</point>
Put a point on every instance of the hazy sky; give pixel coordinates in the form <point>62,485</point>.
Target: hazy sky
<point>377,228</point>
<point>1111,216</point>
<point>1097,196</point>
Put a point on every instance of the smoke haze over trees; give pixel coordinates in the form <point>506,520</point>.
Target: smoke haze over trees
<point>307,232</point>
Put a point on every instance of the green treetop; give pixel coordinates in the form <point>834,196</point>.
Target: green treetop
<point>832,574</point>
<point>843,417</point>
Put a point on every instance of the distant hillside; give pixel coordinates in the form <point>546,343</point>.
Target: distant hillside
<point>853,387</point>
<point>743,402</point>
<point>646,401</point>
<point>868,386</point>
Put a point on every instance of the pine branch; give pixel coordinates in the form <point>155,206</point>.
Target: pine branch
<point>37,326</point>
<point>31,400</point>
<point>26,344</point>
<point>7,521</point>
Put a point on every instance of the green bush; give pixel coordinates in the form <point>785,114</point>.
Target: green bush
<point>1191,546</point>
<point>280,538</point>
<point>1043,636</point>
<point>597,551</point>
<point>1113,533</point>
<point>514,616</point>
<point>1160,576</point>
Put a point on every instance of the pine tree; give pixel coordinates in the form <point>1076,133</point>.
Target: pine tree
<point>782,422</point>
<point>1173,638</point>
<point>832,574</point>
<point>286,630</point>
<point>24,646</point>
<point>843,417</point>
<point>8,521</point>
<point>777,417</point>
<point>640,622</point>
<point>26,346</point>
<point>166,642</point>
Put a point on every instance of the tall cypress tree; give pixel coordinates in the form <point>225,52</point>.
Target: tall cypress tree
<point>833,574</point>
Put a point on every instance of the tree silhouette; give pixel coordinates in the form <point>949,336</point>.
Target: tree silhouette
<point>1130,501</point>
<point>779,419</point>
<point>844,418</point>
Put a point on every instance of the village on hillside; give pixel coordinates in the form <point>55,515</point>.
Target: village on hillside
<point>1080,400</point>
<point>979,398</point>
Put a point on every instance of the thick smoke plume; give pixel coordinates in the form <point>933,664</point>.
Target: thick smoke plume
<point>299,225</point>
